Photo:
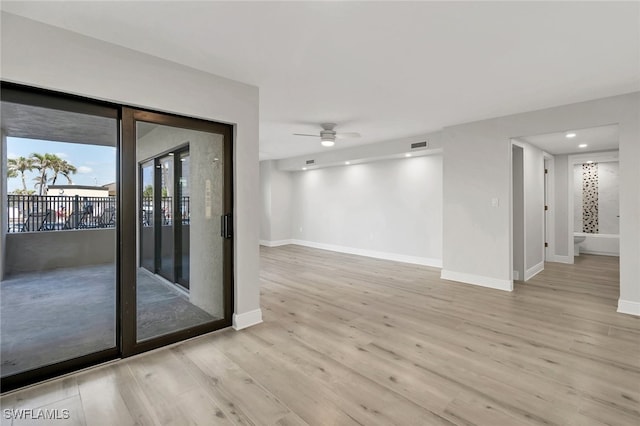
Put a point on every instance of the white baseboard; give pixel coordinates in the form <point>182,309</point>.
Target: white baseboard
<point>628,307</point>
<point>275,243</point>
<point>495,283</point>
<point>600,253</point>
<point>533,271</point>
<point>247,319</point>
<point>416,260</point>
<point>561,259</point>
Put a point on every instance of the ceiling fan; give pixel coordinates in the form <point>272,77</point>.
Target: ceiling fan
<point>328,136</point>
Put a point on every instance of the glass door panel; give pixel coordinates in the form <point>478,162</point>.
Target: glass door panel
<point>60,214</point>
<point>147,228</point>
<point>182,222</point>
<point>165,232</point>
<point>188,285</point>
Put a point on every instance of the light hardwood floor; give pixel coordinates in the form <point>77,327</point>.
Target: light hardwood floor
<point>354,340</point>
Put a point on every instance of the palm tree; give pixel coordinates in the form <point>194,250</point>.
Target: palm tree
<point>42,163</point>
<point>63,167</point>
<point>20,165</point>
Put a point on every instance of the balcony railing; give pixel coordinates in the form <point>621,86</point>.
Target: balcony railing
<point>31,213</point>
<point>166,211</point>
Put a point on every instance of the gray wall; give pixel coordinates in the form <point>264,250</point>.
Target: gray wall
<point>40,251</point>
<point>89,67</point>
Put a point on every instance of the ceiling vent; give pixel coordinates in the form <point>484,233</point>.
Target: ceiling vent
<point>311,161</point>
<point>419,145</point>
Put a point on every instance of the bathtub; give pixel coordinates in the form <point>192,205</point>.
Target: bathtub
<point>604,244</point>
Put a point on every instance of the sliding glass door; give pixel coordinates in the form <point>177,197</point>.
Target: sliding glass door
<point>184,241</point>
<point>60,216</point>
<point>116,232</point>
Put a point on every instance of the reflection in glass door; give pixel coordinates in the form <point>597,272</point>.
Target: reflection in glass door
<point>165,251</point>
<point>187,284</point>
<point>60,223</point>
<point>147,228</point>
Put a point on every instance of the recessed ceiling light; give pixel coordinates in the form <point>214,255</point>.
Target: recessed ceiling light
<point>582,145</point>
<point>304,168</point>
<point>407,155</point>
<point>347,162</point>
<point>570,135</point>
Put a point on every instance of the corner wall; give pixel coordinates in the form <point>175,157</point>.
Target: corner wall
<point>52,58</point>
<point>275,194</point>
<point>477,236</point>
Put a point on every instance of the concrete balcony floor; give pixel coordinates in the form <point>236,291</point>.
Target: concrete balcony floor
<point>55,315</point>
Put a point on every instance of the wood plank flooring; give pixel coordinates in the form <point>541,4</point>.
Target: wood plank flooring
<point>349,340</point>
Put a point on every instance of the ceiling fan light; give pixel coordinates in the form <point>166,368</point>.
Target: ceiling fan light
<point>327,142</point>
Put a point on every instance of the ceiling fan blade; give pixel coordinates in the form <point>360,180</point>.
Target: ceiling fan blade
<point>304,134</point>
<point>347,135</point>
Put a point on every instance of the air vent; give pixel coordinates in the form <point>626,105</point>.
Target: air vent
<point>311,161</point>
<point>419,145</point>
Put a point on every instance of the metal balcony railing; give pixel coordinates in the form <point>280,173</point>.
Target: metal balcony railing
<point>31,213</point>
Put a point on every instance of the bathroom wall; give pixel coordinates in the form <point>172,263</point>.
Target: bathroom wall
<point>608,198</point>
<point>596,183</point>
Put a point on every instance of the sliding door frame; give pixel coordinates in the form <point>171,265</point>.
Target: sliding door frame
<point>26,95</point>
<point>129,165</point>
<point>126,226</point>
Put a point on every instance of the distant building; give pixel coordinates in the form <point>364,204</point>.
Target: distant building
<point>81,190</point>
<point>111,187</point>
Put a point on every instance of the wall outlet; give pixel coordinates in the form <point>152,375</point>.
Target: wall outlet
<point>495,202</point>
<point>301,229</point>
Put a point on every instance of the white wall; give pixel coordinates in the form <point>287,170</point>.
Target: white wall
<point>48,57</point>
<point>577,197</point>
<point>477,236</point>
<point>390,209</point>
<point>534,209</point>
<point>265,200</point>
<point>518,212</point>
<point>608,198</point>
<point>561,206</point>
<point>275,195</point>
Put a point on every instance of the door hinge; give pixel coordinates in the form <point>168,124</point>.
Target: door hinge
<point>546,244</point>
<point>546,171</point>
<point>546,208</point>
<point>226,226</point>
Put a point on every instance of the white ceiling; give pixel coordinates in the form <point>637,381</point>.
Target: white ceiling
<point>600,138</point>
<point>385,69</point>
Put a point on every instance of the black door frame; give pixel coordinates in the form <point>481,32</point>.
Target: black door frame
<point>126,224</point>
<point>130,116</point>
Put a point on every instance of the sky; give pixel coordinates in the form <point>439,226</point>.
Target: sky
<point>96,164</point>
